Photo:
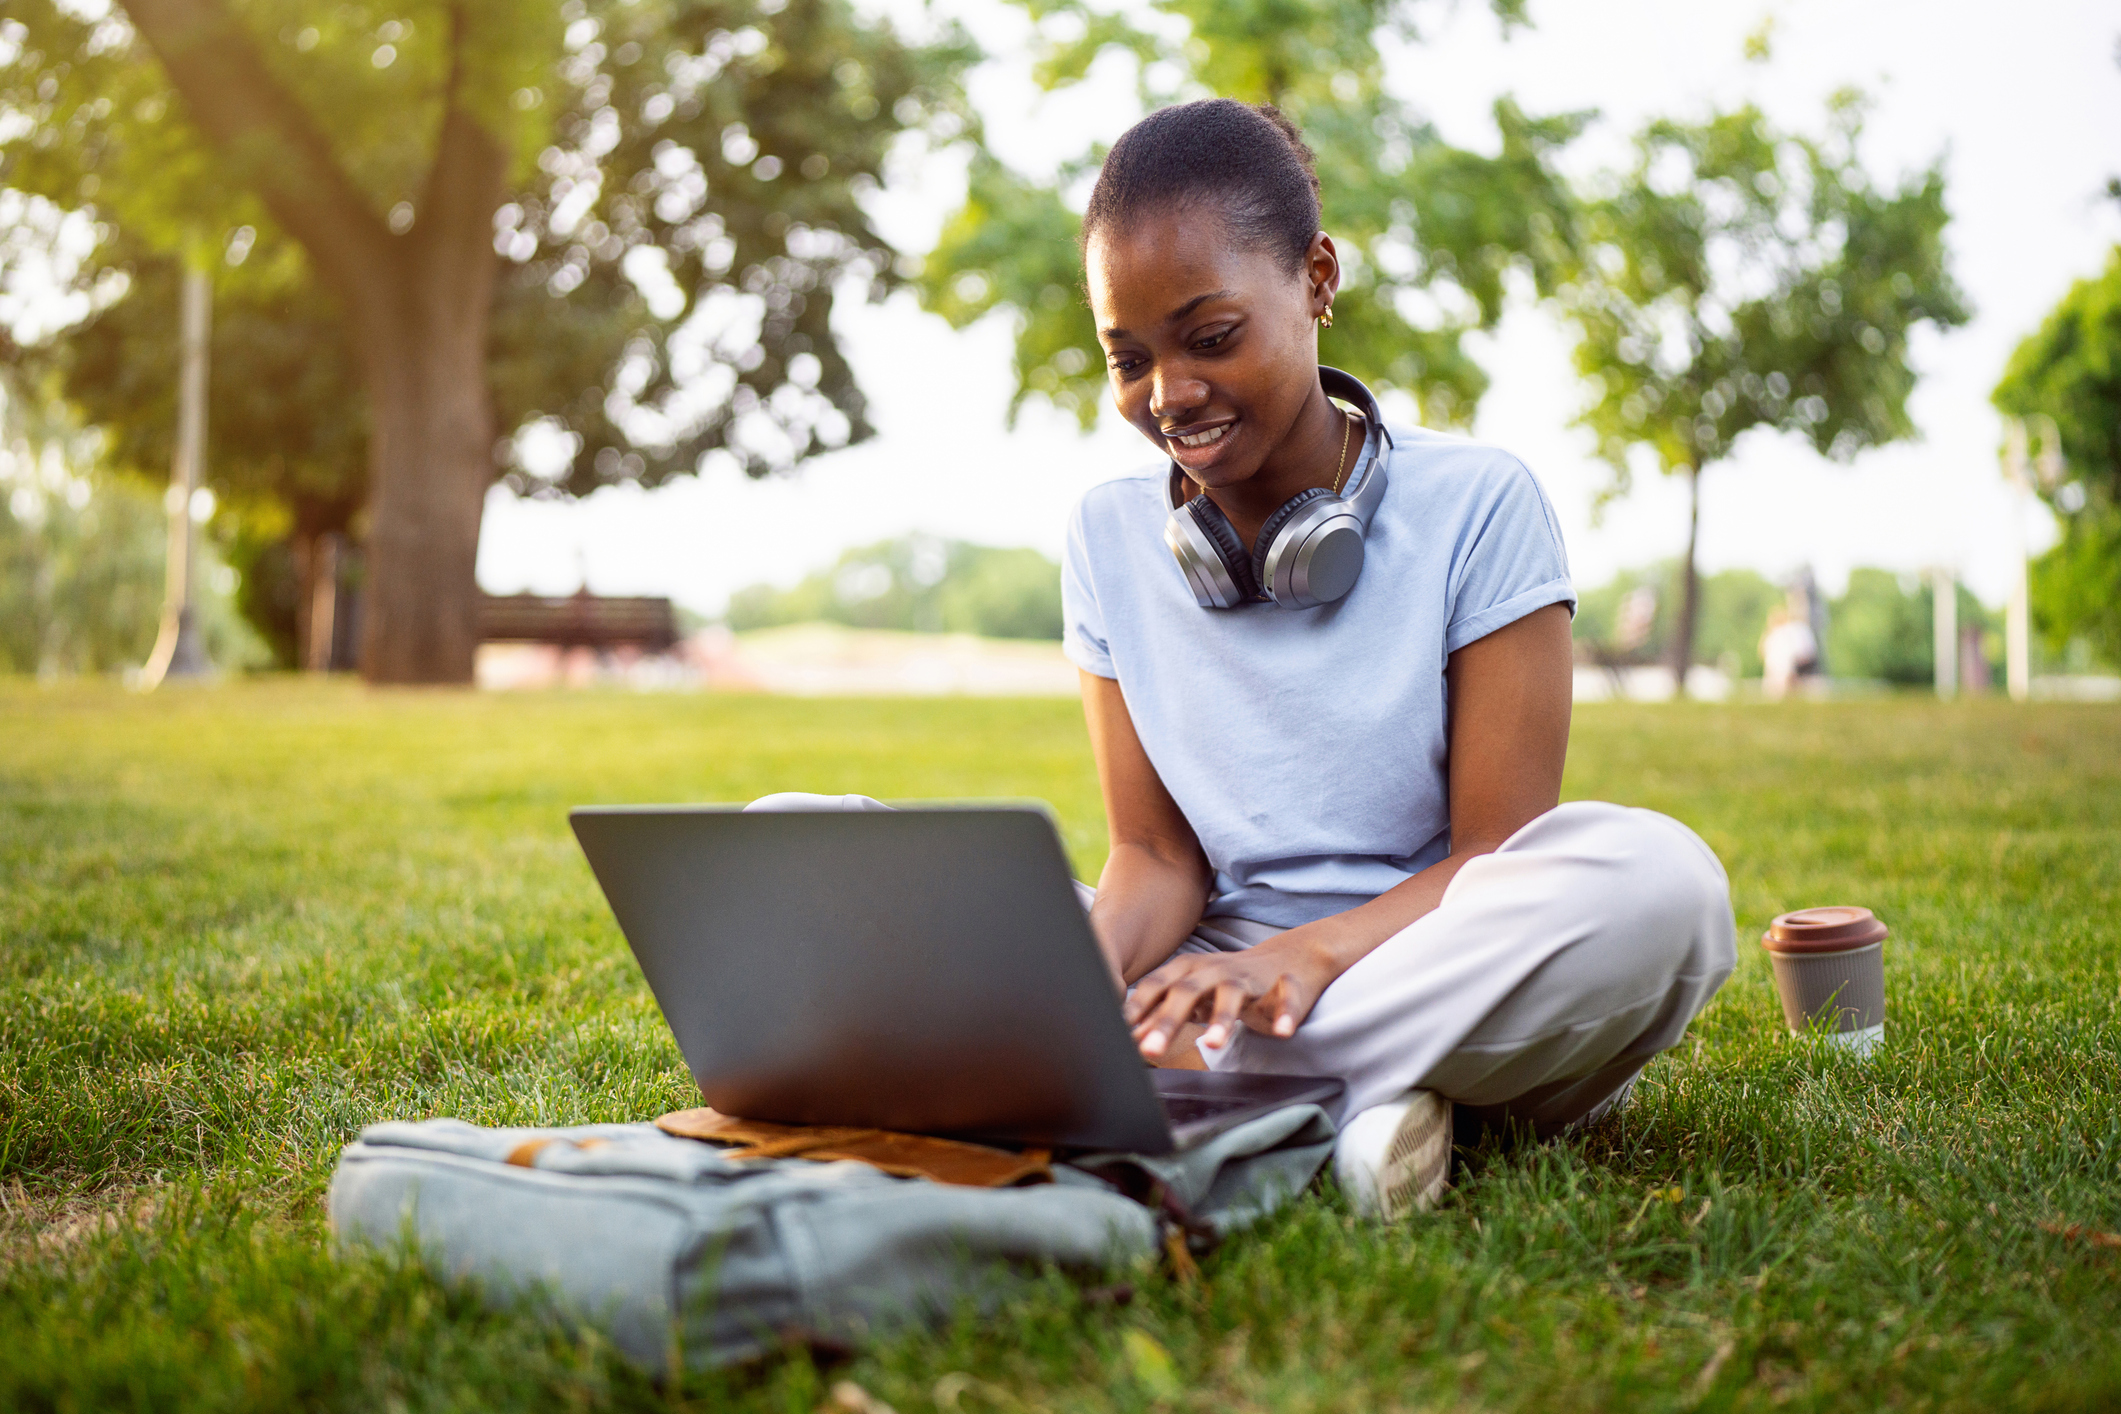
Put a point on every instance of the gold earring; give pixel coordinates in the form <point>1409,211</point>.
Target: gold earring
<point>1325,321</point>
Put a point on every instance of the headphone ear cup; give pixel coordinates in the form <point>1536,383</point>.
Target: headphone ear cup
<point>1264,546</point>
<point>1228,548</point>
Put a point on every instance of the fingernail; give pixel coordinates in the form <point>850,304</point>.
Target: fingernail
<point>1285,1026</point>
<point>1215,1038</point>
<point>1153,1043</point>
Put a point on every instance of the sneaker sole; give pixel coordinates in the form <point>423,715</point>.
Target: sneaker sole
<point>1417,1165</point>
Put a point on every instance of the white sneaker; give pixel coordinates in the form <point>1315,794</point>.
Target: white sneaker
<point>1394,1158</point>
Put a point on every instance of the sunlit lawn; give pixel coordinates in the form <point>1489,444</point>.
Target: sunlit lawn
<point>237,924</point>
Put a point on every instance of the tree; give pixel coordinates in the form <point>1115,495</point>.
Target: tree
<point>284,408</point>
<point>1733,615</point>
<point>1884,628</point>
<point>2070,370</point>
<point>1429,234</point>
<point>511,214</point>
<point>81,555</point>
<point>1737,277</point>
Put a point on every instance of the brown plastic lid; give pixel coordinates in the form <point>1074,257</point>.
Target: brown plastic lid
<point>1836,928</point>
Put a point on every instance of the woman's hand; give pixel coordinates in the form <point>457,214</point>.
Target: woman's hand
<point>1270,988</point>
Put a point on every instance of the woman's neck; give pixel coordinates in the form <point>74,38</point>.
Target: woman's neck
<point>1316,452</point>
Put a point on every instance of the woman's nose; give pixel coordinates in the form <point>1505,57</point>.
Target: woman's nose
<point>1171,395</point>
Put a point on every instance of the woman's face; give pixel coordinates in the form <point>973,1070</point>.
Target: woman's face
<point>1210,344</point>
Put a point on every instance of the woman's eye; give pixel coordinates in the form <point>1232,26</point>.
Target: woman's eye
<point>1125,365</point>
<point>1212,340</point>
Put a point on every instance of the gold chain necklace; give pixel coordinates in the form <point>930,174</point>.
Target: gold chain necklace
<point>1340,471</point>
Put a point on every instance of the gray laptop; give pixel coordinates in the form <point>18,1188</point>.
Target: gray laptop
<point>926,970</point>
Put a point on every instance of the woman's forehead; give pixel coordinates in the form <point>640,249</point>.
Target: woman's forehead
<point>1150,270</point>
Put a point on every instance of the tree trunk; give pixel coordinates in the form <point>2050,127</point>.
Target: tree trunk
<point>430,462</point>
<point>316,599</point>
<point>1689,589</point>
<point>304,544</point>
<point>431,430</point>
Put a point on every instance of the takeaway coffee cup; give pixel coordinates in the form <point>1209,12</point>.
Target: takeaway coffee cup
<point>1830,971</point>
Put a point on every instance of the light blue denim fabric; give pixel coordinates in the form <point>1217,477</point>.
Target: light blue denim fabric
<point>676,1252</point>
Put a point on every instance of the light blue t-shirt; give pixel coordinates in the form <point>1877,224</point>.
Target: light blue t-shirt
<point>1307,747</point>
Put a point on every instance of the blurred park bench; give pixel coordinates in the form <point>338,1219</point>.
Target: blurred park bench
<point>598,622</point>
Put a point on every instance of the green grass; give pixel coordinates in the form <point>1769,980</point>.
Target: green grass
<point>235,925</point>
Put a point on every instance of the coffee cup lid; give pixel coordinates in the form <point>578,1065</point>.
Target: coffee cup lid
<point>1836,928</point>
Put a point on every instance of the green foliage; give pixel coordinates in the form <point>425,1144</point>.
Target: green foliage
<point>284,408</point>
<point>921,584</point>
<point>81,582</point>
<point>1012,246</point>
<point>1880,629</point>
<point>211,981</point>
<point>2070,370</point>
<point>286,414</point>
<point>2076,586</point>
<point>1883,627</point>
<point>1739,277</point>
<point>1003,594</point>
<point>80,577</point>
<point>1734,611</point>
<point>742,137</point>
<point>726,145</point>
<point>1428,233</point>
<point>82,557</point>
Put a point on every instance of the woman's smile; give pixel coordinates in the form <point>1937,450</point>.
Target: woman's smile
<point>1196,448</point>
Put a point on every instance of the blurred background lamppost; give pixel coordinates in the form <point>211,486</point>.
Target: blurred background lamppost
<point>178,651</point>
<point>1944,597</point>
<point>2019,468</point>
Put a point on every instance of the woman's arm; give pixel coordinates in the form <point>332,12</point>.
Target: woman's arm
<point>1509,734</point>
<point>1156,878</point>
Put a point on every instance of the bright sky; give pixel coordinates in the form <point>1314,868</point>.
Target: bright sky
<point>2024,101</point>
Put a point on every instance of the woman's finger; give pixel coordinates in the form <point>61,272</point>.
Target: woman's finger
<point>1229,1000</point>
<point>1281,1008</point>
<point>1150,991</point>
<point>1154,1031</point>
<point>1293,1000</point>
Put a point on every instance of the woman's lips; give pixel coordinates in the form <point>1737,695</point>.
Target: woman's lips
<point>1195,450</point>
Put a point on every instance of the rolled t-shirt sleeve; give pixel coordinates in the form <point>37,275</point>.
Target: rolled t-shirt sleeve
<point>1083,623</point>
<point>1510,562</point>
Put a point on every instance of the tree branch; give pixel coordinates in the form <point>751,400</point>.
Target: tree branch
<point>274,146</point>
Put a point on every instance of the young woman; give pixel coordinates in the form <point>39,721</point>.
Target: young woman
<point>1326,671</point>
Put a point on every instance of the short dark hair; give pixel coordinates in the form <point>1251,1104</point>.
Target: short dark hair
<point>1249,162</point>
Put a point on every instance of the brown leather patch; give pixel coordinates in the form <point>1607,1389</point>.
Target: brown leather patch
<point>901,1155</point>
<point>525,1154</point>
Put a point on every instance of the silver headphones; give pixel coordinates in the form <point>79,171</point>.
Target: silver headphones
<point>1309,551</point>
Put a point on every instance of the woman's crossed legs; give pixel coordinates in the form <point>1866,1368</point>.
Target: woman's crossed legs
<point>1551,973</point>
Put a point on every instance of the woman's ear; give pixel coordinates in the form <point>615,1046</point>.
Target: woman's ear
<point>1322,272</point>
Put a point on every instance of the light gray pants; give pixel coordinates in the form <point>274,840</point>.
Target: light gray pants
<point>1551,973</point>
